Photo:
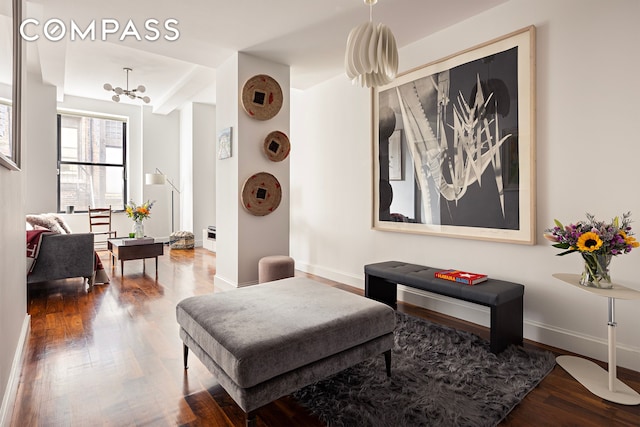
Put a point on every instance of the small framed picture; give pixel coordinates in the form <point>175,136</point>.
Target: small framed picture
<point>224,143</point>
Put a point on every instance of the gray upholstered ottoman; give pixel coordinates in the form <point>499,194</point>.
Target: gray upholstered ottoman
<point>264,342</point>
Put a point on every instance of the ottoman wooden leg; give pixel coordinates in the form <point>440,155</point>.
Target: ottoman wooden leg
<point>251,419</point>
<point>185,355</point>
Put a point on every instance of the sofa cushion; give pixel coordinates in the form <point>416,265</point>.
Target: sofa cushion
<point>259,332</point>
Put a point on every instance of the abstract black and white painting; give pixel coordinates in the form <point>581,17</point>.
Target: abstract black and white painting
<point>467,137</point>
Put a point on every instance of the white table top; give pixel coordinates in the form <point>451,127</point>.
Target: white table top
<point>618,291</point>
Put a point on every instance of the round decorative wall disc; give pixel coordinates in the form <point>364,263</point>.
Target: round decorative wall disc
<point>261,97</point>
<point>261,194</point>
<point>276,146</point>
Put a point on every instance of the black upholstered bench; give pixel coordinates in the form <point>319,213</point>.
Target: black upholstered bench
<point>504,298</point>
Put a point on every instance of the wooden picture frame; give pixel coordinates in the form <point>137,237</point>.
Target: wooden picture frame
<point>459,117</point>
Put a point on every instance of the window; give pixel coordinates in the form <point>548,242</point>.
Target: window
<point>91,162</point>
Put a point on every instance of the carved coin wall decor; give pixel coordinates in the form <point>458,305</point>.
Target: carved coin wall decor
<point>261,97</point>
<point>261,194</point>
<point>276,146</point>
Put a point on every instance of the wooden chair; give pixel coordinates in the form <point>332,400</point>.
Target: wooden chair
<point>100,224</point>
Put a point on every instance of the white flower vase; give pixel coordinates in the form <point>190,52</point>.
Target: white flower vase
<point>138,229</point>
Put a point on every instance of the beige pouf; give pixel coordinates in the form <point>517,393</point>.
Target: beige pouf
<point>275,267</point>
<point>181,240</point>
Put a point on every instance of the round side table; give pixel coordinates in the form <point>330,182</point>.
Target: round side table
<point>598,381</point>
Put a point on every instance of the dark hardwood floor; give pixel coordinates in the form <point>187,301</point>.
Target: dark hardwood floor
<point>113,357</point>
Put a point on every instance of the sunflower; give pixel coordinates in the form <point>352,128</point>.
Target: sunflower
<point>589,242</point>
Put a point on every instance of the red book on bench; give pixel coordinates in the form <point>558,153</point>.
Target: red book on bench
<point>461,276</point>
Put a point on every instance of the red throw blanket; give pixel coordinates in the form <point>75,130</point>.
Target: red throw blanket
<point>34,238</point>
<point>99,275</point>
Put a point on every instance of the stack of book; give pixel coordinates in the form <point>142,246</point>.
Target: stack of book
<point>128,241</point>
<point>461,276</point>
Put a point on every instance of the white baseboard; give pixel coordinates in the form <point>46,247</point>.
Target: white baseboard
<point>10,392</point>
<point>226,284</point>
<point>330,274</point>
<point>586,345</point>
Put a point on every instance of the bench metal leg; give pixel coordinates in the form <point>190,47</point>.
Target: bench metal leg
<point>506,325</point>
<point>381,290</point>
<point>387,362</point>
<point>185,355</point>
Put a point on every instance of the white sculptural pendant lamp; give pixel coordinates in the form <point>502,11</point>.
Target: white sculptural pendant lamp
<point>371,58</point>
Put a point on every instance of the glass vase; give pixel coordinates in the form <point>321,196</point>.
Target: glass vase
<point>596,271</point>
<point>138,229</point>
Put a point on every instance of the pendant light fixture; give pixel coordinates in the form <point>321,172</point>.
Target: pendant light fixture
<point>371,58</point>
<point>133,93</point>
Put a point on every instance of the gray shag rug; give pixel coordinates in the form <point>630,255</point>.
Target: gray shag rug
<point>439,377</point>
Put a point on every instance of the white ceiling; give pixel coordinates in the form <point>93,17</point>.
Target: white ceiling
<point>309,36</point>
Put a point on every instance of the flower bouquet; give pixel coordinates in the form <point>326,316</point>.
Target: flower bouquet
<point>597,242</point>
<point>138,213</point>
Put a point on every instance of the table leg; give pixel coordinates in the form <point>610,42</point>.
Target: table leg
<point>156,267</point>
<point>598,381</point>
<point>612,344</point>
<point>122,267</point>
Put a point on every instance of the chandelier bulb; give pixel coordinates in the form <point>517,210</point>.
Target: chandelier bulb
<point>115,98</point>
<point>141,89</point>
<point>118,90</point>
<point>107,86</point>
<point>146,99</point>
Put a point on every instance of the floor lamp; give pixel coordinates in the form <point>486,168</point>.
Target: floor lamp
<point>158,178</point>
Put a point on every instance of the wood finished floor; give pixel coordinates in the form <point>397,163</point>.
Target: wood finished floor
<point>112,357</point>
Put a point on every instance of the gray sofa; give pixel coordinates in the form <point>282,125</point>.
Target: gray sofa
<point>64,256</point>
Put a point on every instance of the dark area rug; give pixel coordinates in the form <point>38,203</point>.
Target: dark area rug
<point>439,377</point>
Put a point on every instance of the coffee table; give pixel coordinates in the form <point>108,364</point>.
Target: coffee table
<point>125,251</point>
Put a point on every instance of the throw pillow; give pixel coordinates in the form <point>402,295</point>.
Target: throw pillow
<point>61,222</point>
<point>45,221</point>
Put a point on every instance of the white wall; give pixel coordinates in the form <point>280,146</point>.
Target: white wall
<point>152,141</point>
<point>227,185</point>
<point>242,238</point>
<point>204,168</point>
<point>186,172</point>
<point>197,168</point>
<point>39,150</point>
<point>587,62</point>
<point>14,321</point>
<point>160,149</point>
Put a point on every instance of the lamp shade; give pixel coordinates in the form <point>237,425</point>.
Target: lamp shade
<point>371,57</point>
<point>154,179</point>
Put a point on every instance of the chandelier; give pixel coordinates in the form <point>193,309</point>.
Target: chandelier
<point>133,93</point>
<point>372,55</point>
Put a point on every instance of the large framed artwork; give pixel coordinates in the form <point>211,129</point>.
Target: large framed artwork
<point>467,127</point>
